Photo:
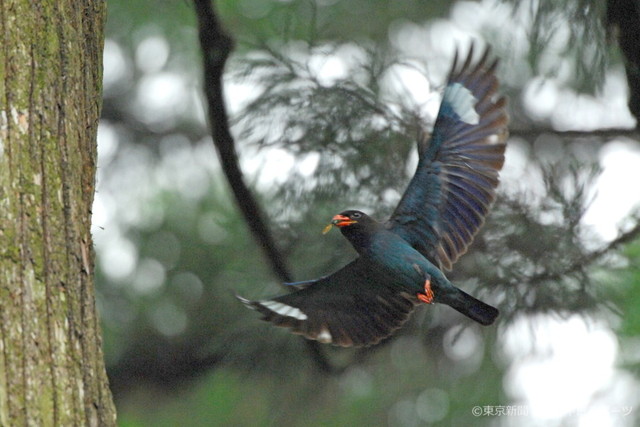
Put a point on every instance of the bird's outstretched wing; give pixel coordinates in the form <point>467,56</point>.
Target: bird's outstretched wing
<point>454,184</point>
<point>355,306</point>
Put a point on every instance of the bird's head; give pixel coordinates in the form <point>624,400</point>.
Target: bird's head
<point>348,219</point>
<point>356,226</point>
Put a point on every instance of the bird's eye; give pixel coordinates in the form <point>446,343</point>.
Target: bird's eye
<point>356,215</point>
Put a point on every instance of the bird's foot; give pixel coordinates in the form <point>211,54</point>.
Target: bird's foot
<point>427,296</point>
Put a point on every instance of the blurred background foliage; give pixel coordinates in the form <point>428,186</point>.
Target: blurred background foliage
<point>327,99</point>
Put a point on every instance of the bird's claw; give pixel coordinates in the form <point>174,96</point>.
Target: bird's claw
<point>427,296</point>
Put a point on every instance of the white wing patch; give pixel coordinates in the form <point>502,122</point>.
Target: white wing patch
<point>324,336</point>
<point>283,309</point>
<point>462,102</point>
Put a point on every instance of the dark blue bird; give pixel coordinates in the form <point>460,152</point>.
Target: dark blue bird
<point>401,260</point>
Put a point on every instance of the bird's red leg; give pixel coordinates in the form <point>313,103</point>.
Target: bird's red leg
<point>427,296</point>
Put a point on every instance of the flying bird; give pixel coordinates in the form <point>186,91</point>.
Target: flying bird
<point>400,261</point>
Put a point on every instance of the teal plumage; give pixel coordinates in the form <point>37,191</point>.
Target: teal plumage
<point>446,201</point>
<point>400,261</point>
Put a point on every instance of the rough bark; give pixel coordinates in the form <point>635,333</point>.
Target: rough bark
<point>51,365</point>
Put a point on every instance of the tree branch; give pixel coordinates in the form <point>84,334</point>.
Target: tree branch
<point>216,46</point>
<point>589,258</point>
<point>624,17</point>
<point>600,133</point>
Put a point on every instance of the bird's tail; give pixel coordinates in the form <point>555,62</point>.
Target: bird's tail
<point>472,307</point>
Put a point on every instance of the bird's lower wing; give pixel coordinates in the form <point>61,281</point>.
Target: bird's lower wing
<point>355,306</point>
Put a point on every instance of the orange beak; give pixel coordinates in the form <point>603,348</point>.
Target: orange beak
<point>338,221</point>
<point>341,221</point>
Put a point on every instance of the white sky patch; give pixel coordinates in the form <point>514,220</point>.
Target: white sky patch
<point>329,64</point>
<point>328,68</point>
<point>547,99</point>
<point>587,113</point>
<point>102,214</point>
<point>391,196</point>
<point>540,97</point>
<point>271,166</point>
<point>447,36</point>
<point>191,181</point>
<point>464,345</point>
<point>519,177</point>
<point>617,189</point>
<point>308,165</point>
<point>152,54</point>
<point>115,64</point>
<point>107,143</point>
<point>160,98</point>
<point>407,85</point>
<point>561,365</point>
<point>104,205</point>
<point>471,15</point>
<point>238,94</point>
<point>118,257</point>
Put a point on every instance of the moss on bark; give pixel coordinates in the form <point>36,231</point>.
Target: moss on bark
<point>51,365</point>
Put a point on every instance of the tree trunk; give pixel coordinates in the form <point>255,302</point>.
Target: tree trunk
<point>51,365</point>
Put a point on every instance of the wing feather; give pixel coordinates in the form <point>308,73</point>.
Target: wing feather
<point>449,196</point>
<point>356,306</point>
